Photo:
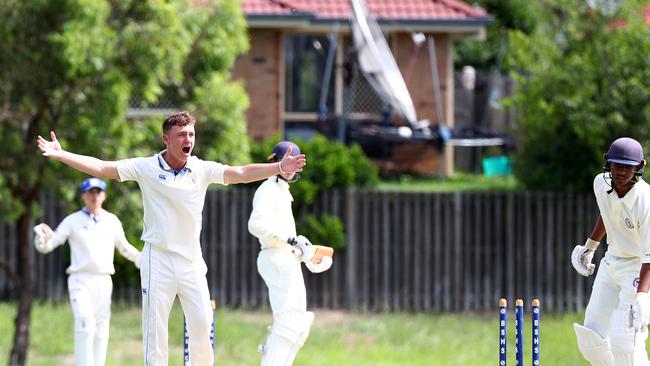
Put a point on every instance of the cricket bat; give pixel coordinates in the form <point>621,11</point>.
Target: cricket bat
<point>321,251</point>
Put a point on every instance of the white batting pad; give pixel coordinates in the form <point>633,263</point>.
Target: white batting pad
<point>288,334</point>
<point>627,346</point>
<point>593,347</point>
<point>309,318</point>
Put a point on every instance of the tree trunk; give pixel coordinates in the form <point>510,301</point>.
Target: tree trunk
<point>25,289</point>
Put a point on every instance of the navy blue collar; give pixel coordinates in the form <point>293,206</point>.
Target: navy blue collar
<point>90,215</point>
<point>164,166</point>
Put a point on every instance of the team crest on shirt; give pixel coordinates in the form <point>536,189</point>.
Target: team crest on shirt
<point>162,177</point>
<point>629,223</point>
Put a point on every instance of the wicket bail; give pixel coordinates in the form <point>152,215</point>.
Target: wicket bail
<point>519,332</point>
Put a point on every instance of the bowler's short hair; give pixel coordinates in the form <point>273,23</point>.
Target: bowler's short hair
<point>183,118</point>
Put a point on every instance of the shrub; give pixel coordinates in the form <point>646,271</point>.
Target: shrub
<point>323,230</point>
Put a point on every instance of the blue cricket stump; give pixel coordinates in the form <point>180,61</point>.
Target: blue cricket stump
<point>186,340</point>
<point>503,342</point>
<point>535,332</point>
<point>519,332</point>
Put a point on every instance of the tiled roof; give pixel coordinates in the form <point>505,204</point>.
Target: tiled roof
<point>270,7</point>
<point>381,9</point>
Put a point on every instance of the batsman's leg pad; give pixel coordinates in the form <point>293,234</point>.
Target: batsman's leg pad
<point>293,325</point>
<point>288,333</point>
<point>626,345</point>
<point>309,316</point>
<point>593,347</point>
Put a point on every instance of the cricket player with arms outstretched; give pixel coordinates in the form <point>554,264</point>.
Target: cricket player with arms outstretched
<point>173,185</point>
<point>93,234</point>
<point>615,326</point>
<point>279,260</point>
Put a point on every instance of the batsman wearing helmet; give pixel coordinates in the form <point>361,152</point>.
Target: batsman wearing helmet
<point>615,327</point>
<point>279,260</point>
<point>93,234</point>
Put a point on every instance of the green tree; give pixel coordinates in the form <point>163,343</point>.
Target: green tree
<point>488,54</point>
<point>583,81</point>
<point>73,65</point>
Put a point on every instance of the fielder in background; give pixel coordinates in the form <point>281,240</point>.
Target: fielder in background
<point>173,184</point>
<point>93,234</point>
<point>615,327</point>
<point>279,261</point>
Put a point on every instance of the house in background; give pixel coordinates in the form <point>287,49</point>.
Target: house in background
<point>287,62</point>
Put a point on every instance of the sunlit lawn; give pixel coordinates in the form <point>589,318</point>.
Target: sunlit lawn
<point>337,338</point>
<point>458,182</point>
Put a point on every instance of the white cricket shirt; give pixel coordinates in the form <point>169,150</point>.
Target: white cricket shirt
<point>272,219</point>
<point>93,241</point>
<point>626,219</point>
<point>173,201</point>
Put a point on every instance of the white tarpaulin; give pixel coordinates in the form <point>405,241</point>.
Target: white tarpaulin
<point>377,62</point>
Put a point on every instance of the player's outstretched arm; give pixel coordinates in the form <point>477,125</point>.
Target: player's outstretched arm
<point>86,164</point>
<point>254,172</point>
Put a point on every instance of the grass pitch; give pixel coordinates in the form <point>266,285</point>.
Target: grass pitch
<point>337,338</point>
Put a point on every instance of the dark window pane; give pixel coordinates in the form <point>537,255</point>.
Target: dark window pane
<point>305,62</point>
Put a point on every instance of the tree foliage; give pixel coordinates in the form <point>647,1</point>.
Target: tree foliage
<point>330,164</point>
<point>73,66</point>
<point>486,55</point>
<point>583,81</point>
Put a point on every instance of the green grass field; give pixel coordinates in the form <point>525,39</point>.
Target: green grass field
<point>460,181</point>
<point>337,338</point>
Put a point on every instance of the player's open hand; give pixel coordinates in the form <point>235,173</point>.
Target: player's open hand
<point>51,149</point>
<point>292,164</point>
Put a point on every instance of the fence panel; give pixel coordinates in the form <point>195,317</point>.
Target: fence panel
<point>405,251</point>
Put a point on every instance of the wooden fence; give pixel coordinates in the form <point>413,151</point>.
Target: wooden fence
<point>405,251</point>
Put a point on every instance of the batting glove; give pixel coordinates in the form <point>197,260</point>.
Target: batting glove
<point>304,245</point>
<point>640,311</point>
<point>323,266</point>
<point>582,255</point>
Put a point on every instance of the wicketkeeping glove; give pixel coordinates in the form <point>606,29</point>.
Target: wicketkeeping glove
<point>582,255</point>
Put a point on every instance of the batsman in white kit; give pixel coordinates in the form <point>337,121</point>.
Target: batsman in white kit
<point>615,326</point>
<point>278,262</point>
<point>93,234</point>
<point>173,185</point>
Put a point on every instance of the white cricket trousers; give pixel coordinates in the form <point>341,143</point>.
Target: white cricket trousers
<point>164,276</point>
<point>609,310</point>
<point>614,288</point>
<point>281,271</point>
<point>90,298</point>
